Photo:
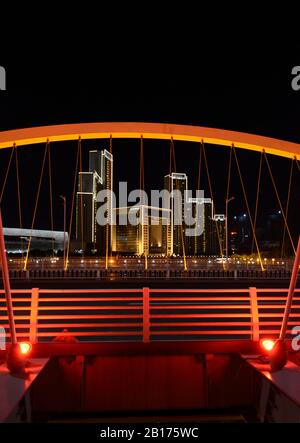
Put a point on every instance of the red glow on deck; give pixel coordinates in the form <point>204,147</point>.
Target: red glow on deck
<point>25,347</point>
<point>267,344</point>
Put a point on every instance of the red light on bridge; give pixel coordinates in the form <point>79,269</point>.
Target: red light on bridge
<point>25,347</point>
<point>267,344</point>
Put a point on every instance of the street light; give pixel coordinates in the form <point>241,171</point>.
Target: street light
<point>226,223</point>
<point>64,200</point>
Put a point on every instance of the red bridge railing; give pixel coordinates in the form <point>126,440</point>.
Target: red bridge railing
<point>92,315</point>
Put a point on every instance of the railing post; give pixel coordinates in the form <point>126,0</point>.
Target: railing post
<point>254,313</point>
<point>34,314</point>
<point>146,315</point>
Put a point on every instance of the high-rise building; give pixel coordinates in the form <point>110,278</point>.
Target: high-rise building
<point>208,243</point>
<point>89,234</point>
<point>177,182</point>
<point>144,237</point>
<point>105,244</point>
<point>195,244</point>
<point>95,162</point>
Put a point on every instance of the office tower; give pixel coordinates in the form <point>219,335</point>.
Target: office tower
<point>194,243</point>
<point>208,237</point>
<point>177,182</point>
<point>144,238</point>
<point>105,244</point>
<point>89,234</point>
<point>95,162</point>
<point>87,231</point>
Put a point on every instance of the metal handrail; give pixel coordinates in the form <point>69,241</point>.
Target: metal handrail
<point>149,314</point>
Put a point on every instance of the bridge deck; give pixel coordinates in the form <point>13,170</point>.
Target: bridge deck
<point>13,389</point>
<point>286,380</point>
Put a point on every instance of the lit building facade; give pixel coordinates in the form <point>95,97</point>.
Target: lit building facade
<point>146,236</point>
<point>89,234</point>
<point>179,182</point>
<point>195,245</point>
<point>105,243</point>
<point>87,230</point>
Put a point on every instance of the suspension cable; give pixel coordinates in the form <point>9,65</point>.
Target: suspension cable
<point>173,154</point>
<point>279,202</point>
<point>107,227</point>
<point>212,199</point>
<point>72,206</point>
<point>7,172</point>
<point>142,186</point>
<point>51,196</point>
<point>19,196</point>
<point>229,174</point>
<point>81,196</point>
<point>248,209</point>
<point>199,166</point>
<point>287,208</point>
<point>182,236</point>
<point>257,199</point>
<point>226,202</point>
<point>36,204</point>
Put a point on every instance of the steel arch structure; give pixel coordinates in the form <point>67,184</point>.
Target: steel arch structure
<point>161,131</point>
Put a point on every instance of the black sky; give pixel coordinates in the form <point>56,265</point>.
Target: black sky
<point>239,88</point>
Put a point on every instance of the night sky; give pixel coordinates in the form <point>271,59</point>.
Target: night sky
<point>244,90</point>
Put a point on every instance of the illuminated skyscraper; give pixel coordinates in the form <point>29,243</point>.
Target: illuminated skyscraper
<point>145,237</point>
<point>90,235</point>
<point>95,162</point>
<point>87,232</point>
<point>195,245</point>
<point>105,244</point>
<point>177,182</point>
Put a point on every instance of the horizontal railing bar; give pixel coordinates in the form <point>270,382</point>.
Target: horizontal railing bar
<point>266,290</point>
<point>89,334</point>
<point>87,325</point>
<point>202,299</point>
<point>89,291</point>
<point>196,323</point>
<point>74,291</point>
<point>85,316</point>
<point>17,300</point>
<point>217,291</point>
<point>279,306</point>
<point>152,291</point>
<point>275,298</point>
<point>210,332</point>
<point>76,308</point>
<point>201,307</point>
<point>200,315</point>
<point>276,314</point>
<point>76,299</point>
